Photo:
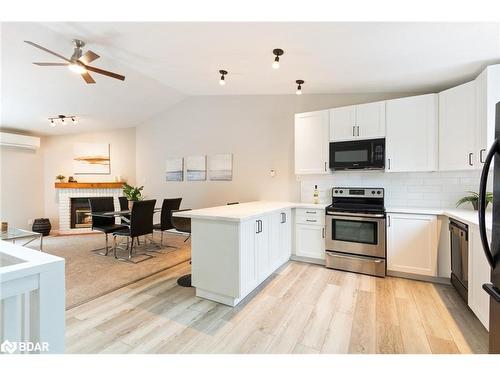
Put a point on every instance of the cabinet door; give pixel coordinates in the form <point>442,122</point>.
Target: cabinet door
<point>412,244</point>
<point>342,123</point>
<point>262,248</point>
<point>285,236</point>
<point>311,143</point>
<point>248,257</point>
<point>370,120</point>
<point>479,274</point>
<point>457,127</point>
<point>310,241</point>
<point>412,130</point>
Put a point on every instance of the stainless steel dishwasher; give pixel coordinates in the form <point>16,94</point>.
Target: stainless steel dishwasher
<point>459,240</point>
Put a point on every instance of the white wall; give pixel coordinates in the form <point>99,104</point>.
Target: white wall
<point>258,130</point>
<point>430,189</point>
<point>58,159</point>
<point>21,187</point>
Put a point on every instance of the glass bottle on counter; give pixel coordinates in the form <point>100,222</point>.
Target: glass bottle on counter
<point>316,195</point>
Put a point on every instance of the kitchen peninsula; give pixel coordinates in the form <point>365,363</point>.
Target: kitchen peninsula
<point>236,247</point>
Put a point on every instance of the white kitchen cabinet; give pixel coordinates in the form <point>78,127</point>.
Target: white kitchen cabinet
<point>357,122</point>
<point>457,119</point>
<point>262,247</point>
<point>411,134</point>
<point>370,120</point>
<point>412,244</point>
<point>310,241</point>
<point>280,247</point>
<point>479,274</point>
<point>487,96</point>
<point>342,123</point>
<point>311,142</point>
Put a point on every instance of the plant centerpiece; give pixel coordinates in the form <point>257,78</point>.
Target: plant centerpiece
<point>474,199</point>
<point>133,194</point>
<point>60,178</point>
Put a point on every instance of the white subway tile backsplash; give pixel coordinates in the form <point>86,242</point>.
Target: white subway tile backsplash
<point>420,189</point>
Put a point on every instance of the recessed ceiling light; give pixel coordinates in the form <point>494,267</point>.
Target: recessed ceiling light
<point>277,52</point>
<point>299,82</point>
<point>222,81</point>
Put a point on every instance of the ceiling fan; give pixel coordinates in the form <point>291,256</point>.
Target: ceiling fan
<point>78,62</point>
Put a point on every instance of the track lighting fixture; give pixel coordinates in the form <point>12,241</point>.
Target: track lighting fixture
<point>222,81</point>
<point>277,52</point>
<point>62,120</point>
<point>299,82</point>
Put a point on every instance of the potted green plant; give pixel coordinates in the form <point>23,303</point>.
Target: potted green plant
<point>60,178</point>
<point>133,194</point>
<point>473,198</point>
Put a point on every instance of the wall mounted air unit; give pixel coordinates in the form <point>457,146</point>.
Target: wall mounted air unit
<point>21,141</point>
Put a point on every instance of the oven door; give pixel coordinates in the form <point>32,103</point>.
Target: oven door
<point>360,234</point>
<point>359,154</point>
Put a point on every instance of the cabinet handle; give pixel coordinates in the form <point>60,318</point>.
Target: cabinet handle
<point>353,130</point>
<point>325,166</point>
<point>310,212</point>
<point>388,221</point>
<point>481,155</point>
<point>259,226</point>
<point>283,218</point>
<point>257,222</point>
<point>470,158</point>
<point>323,231</point>
<point>389,163</point>
<point>357,133</point>
<point>311,220</point>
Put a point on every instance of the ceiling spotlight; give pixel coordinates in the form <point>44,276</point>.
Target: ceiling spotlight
<point>77,68</point>
<point>222,81</point>
<point>277,52</point>
<point>299,82</point>
<point>61,119</point>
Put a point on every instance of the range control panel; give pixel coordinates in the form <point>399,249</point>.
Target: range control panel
<point>357,192</point>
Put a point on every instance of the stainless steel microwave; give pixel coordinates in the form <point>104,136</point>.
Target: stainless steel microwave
<point>358,154</point>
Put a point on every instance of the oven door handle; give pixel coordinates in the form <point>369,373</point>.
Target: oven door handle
<point>355,215</point>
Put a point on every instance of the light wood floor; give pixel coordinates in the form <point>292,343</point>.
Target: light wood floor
<point>303,308</point>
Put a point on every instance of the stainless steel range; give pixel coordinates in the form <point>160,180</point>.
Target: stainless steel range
<point>355,231</point>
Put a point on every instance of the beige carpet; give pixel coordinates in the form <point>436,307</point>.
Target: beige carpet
<point>89,275</point>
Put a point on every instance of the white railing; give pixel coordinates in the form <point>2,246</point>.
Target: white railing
<point>32,301</point>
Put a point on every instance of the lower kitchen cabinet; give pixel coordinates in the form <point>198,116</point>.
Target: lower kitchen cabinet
<point>310,241</point>
<point>479,274</point>
<point>412,244</point>
<point>280,238</point>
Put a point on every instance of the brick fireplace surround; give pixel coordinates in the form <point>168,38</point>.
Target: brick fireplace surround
<point>66,191</point>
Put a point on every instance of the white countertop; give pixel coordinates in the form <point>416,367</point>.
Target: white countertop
<point>243,211</point>
<point>469,217</point>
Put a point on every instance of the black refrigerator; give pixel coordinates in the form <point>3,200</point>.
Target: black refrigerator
<point>492,252</point>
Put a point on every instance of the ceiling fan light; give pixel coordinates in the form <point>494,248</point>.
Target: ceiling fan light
<point>77,68</point>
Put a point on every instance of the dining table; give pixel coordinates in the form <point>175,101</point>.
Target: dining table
<point>123,214</point>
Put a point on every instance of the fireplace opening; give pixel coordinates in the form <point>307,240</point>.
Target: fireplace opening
<point>80,213</point>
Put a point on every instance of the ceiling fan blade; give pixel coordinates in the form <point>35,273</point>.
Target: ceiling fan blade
<point>88,57</point>
<point>87,77</point>
<point>104,72</point>
<point>46,50</point>
<point>51,64</point>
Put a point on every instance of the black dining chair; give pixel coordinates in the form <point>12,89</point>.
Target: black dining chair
<point>141,224</point>
<point>103,224</point>
<point>183,224</point>
<point>124,207</point>
<point>165,223</point>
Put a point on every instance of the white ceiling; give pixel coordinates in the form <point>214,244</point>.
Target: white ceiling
<point>165,62</point>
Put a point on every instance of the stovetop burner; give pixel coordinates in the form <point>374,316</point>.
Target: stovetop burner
<point>357,200</point>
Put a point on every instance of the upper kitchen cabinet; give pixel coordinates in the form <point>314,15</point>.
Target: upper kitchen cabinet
<point>411,134</point>
<point>357,122</point>
<point>467,121</point>
<point>487,96</point>
<point>311,142</point>
<point>457,120</point>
